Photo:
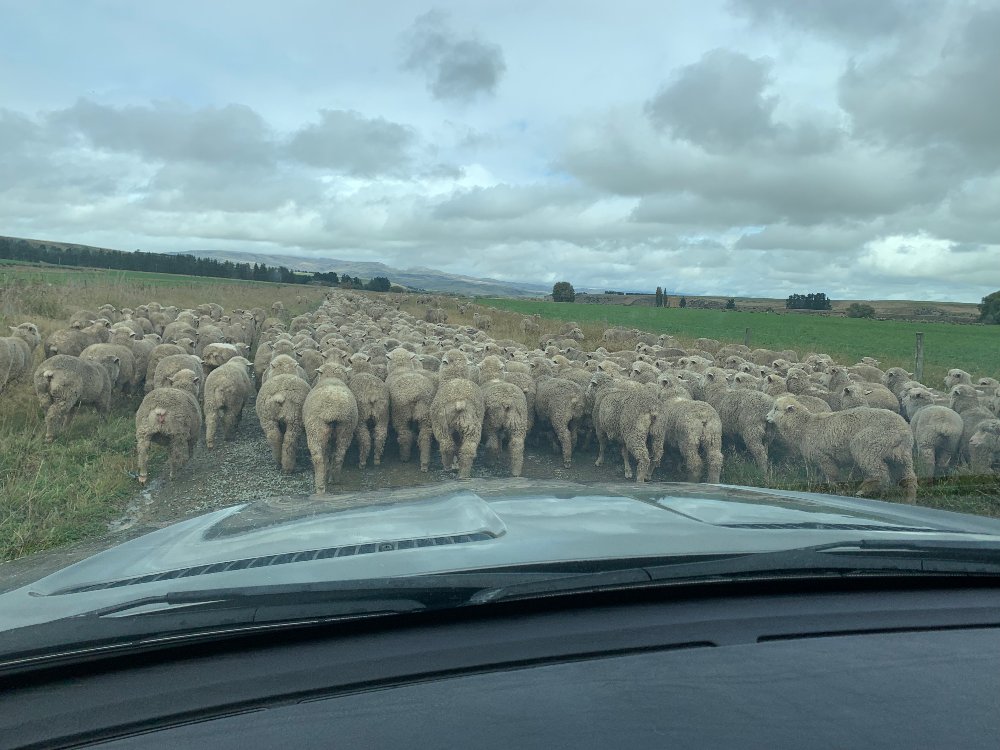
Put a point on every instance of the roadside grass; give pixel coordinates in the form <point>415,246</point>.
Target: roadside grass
<point>975,348</point>
<point>51,495</point>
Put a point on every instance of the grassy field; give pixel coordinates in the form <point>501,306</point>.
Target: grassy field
<point>55,494</point>
<point>973,348</point>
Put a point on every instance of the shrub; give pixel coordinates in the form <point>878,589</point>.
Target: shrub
<point>858,310</point>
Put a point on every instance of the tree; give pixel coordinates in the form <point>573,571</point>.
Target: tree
<point>858,310</point>
<point>683,302</point>
<point>378,284</point>
<point>562,291</point>
<point>811,301</point>
<point>659,296</point>
<point>989,308</point>
<point>731,303</point>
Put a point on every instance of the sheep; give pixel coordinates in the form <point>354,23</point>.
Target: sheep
<point>169,415</point>
<point>17,353</point>
<point>216,355</point>
<point>743,415</point>
<point>160,351</point>
<point>279,411</point>
<point>129,380</point>
<point>63,383</point>
<point>174,363</point>
<point>988,386</point>
<point>330,413</point>
<point>560,404</point>
<point>283,364</point>
<point>694,429</point>
<point>410,395</point>
<point>628,415</point>
<point>956,377</point>
<point>457,413</point>
<point>372,396</point>
<point>876,441</point>
<point>506,417</point>
<point>227,389</point>
<point>965,400</point>
<point>72,341</point>
<point>454,364</point>
<point>984,446</point>
<point>937,431</point>
<point>482,322</point>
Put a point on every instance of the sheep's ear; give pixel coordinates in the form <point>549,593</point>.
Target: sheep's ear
<point>790,407</point>
<point>116,360</point>
<point>195,379</point>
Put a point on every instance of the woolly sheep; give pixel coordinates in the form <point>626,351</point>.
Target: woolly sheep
<point>506,420</point>
<point>410,395</point>
<point>965,400</point>
<point>283,364</point>
<point>160,351</point>
<point>559,403</point>
<point>743,414</point>
<point>17,353</point>
<point>63,383</point>
<point>984,446</point>
<point>279,411</point>
<point>694,430</point>
<point>628,416</point>
<point>372,396</point>
<point>457,414</point>
<point>174,363</point>
<point>72,341</point>
<point>937,432</point>
<point>956,377</point>
<point>226,390</point>
<point>875,441</point>
<point>330,417</point>
<point>169,415</point>
<point>129,380</point>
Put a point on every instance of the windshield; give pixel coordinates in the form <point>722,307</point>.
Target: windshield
<point>311,292</point>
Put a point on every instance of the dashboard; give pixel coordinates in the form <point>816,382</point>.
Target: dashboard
<point>873,667</point>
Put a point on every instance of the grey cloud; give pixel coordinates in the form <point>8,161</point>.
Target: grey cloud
<point>458,68</point>
<point>349,142</point>
<point>231,134</point>
<point>503,202</point>
<point>846,20</point>
<point>622,155</point>
<point>952,104</point>
<point>717,102</point>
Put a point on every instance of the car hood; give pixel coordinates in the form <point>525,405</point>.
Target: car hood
<point>464,526</point>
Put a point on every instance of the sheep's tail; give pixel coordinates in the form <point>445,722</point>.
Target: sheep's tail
<point>278,398</point>
<point>461,405</point>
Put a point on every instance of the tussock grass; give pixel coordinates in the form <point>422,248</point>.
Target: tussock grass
<point>51,495</point>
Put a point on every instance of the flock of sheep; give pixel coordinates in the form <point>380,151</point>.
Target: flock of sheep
<point>359,365</point>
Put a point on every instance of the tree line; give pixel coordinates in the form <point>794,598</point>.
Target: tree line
<point>12,248</point>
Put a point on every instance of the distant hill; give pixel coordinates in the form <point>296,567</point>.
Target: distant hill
<point>412,278</point>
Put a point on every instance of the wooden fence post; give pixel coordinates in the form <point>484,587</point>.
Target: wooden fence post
<point>918,368</point>
<point>746,337</point>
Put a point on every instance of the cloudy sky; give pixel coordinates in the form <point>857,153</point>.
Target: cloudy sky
<point>739,147</point>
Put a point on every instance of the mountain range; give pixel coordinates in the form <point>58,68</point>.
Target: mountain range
<point>412,278</point>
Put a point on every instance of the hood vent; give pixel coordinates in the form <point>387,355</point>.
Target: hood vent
<point>266,561</point>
